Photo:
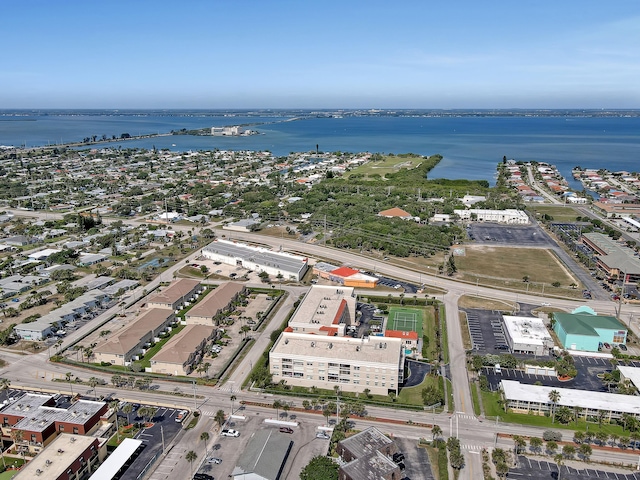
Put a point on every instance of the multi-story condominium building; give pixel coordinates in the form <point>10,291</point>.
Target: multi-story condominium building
<point>352,364</point>
<point>175,295</point>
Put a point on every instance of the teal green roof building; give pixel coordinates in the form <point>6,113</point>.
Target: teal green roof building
<point>586,332</point>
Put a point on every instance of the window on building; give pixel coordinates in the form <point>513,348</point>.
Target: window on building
<point>75,430</point>
<point>321,378</point>
<point>61,428</point>
<point>618,338</point>
<point>33,437</point>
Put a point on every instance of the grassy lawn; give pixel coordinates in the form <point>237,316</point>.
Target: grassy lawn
<point>388,164</point>
<point>470,301</point>
<point>508,266</point>
<point>444,336</point>
<point>451,402</point>
<point>439,469</point>
<point>474,398</point>
<point>493,409</point>
<point>413,395</point>
<point>559,213</point>
<point>464,326</point>
<point>429,329</point>
<point>146,361</point>
<point>128,431</point>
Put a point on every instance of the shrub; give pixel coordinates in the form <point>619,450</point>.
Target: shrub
<point>551,435</point>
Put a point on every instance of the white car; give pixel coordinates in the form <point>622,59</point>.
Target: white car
<point>228,432</point>
<point>545,304</point>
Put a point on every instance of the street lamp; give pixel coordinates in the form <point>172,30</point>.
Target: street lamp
<point>195,407</point>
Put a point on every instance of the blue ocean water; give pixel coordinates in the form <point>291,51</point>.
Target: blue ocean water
<point>471,146</point>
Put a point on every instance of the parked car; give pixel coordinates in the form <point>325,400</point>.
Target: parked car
<point>182,414</point>
<point>622,347</point>
<point>215,460</point>
<point>229,432</point>
<point>545,304</point>
<point>606,345</point>
<point>398,457</point>
<point>203,476</point>
<point>322,435</point>
<point>286,430</point>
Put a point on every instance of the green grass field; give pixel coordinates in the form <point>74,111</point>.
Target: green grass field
<point>388,164</point>
<point>405,319</point>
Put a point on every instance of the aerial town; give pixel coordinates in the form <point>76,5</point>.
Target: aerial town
<point>234,314</point>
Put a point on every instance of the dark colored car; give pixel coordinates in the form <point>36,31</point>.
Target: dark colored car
<point>622,347</point>
<point>286,430</point>
<point>203,476</point>
<point>606,345</point>
<point>398,457</point>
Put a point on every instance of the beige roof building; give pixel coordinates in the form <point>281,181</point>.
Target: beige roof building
<point>176,294</point>
<point>325,310</point>
<point>121,347</point>
<point>180,354</point>
<point>353,364</point>
<point>216,302</point>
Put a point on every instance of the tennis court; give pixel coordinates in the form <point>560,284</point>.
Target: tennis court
<point>405,319</point>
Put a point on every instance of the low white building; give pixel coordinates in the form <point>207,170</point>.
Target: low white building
<point>534,399</point>
<point>528,335</point>
<point>352,364</point>
<point>290,267</point>
<point>511,216</point>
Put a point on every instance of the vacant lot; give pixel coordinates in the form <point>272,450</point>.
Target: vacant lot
<point>508,266</point>
<point>388,164</point>
<point>559,213</point>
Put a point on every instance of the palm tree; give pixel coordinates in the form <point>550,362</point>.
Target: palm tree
<point>554,397</point>
<point>277,405</point>
<point>233,399</point>
<point>219,417</point>
<point>4,383</point>
<point>204,436</point>
<point>436,431</point>
<point>191,457</point>
<point>93,381</point>
<point>558,458</point>
<point>285,408</point>
<point>127,409</point>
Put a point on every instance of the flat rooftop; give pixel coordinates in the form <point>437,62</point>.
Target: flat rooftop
<point>529,330</point>
<point>58,457</point>
<point>373,350</point>
<point>569,397</point>
<point>39,419</point>
<point>322,305</point>
<point>258,255</point>
<point>632,373</point>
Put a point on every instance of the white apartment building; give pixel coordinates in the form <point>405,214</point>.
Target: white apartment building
<point>353,364</point>
<point>511,216</point>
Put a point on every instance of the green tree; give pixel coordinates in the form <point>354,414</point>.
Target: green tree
<point>554,398</point>
<point>535,444</point>
<point>585,451</point>
<point>219,417</point>
<point>568,451</point>
<point>127,409</point>
<point>552,446</point>
<point>93,382</point>
<point>559,459</point>
<point>191,457</point>
<point>233,398</point>
<point>436,431</point>
<point>204,436</point>
<point>277,404</point>
<point>320,467</point>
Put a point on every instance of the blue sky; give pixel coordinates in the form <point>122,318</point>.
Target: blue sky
<point>329,54</point>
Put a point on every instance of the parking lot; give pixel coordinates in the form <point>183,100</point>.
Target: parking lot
<point>417,466</point>
<point>164,424</point>
<point>493,233</point>
<point>486,331</point>
<point>539,470</point>
<point>404,286</point>
<point>229,449</point>
<point>587,379</point>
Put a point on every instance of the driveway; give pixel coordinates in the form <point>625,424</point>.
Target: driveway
<point>417,372</point>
